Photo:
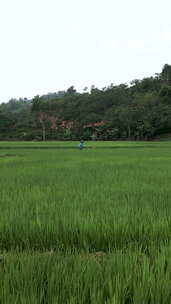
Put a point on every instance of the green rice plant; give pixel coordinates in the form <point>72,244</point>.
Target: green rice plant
<point>116,277</point>
<point>91,226</point>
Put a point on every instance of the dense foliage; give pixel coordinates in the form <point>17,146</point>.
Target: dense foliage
<point>141,110</point>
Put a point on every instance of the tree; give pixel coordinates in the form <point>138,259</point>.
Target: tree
<point>71,90</point>
<point>40,113</point>
<point>165,91</point>
<point>166,74</point>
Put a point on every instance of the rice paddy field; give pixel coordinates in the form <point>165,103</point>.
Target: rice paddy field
<point>81,227</point>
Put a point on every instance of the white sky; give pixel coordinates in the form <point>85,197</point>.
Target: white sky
<point>49,45</point>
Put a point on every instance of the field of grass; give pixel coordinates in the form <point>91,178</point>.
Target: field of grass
<point>91,226</point>
<point>74,144</point>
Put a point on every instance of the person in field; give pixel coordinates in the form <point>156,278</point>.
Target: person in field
<point>81,145</point>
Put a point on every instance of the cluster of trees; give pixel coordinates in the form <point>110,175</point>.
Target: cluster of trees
<point>140,110</point>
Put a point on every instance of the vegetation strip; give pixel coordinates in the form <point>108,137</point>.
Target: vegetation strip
<point>73,147</point>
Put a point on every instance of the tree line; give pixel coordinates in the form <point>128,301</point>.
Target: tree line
<point>138,111</point>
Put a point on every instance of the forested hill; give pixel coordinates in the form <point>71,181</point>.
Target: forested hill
<point>141,110</point>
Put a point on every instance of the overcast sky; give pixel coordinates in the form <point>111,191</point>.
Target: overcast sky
<point>49,45</point>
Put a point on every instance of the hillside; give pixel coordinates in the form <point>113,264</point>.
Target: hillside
<point>140,110</point>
